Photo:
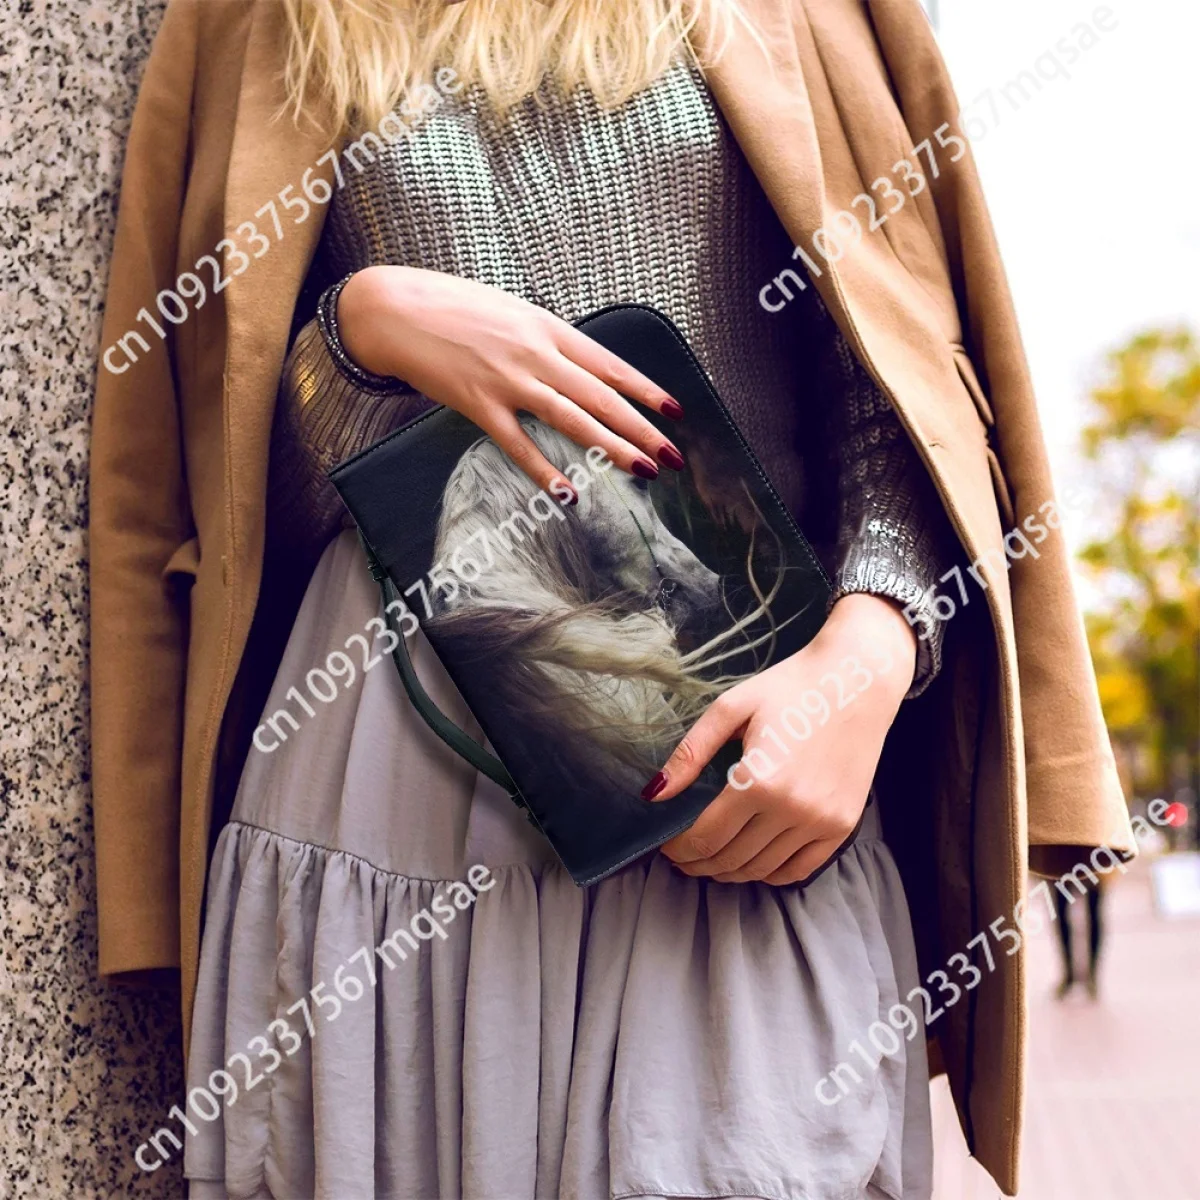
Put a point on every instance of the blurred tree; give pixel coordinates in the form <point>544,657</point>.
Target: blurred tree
<point>1144,442</point>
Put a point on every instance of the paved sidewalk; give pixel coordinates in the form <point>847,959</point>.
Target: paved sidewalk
<point>1114,1086</point>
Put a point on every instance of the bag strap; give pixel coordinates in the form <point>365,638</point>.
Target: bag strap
<point>459,741</point>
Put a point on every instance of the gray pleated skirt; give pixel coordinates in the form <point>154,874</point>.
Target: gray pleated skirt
<point>504,1035</point>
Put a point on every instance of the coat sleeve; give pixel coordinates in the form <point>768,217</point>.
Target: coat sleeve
<point>1074,794</point>
<point>140,536</point>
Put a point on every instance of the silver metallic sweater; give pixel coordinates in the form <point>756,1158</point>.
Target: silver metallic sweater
<point>576,207</point>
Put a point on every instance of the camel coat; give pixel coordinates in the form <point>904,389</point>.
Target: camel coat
<point>1002,765</point>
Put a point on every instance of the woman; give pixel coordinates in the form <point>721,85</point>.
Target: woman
<point>626,1049</point>
<point>666,1032</point>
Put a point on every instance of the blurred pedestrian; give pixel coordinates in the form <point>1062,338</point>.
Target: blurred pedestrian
<point>1095,929</point>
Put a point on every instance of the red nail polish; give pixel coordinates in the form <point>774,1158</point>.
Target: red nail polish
<point>670,457</point>
<point>655,786</point>
<point>672,409</point>
<point>644,468</point>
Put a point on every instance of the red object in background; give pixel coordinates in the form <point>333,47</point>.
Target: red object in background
<point>1176,815</point>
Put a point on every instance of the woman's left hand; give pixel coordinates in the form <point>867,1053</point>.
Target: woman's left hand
<point>790,804</point>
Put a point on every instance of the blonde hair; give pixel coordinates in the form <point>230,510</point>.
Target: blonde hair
<point>360,56</point>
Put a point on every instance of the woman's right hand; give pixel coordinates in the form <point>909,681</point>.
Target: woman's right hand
<point>489,354</point>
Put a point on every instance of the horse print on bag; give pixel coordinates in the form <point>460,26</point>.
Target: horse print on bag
<point>587,638</point>
<point>598,632</point>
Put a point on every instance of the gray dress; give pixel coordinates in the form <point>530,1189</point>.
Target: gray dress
<point>654,1035</point>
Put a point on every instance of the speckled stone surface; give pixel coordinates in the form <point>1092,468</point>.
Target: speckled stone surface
<point>87,1071</point>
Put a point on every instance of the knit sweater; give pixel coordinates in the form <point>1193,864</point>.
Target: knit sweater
<point>575,207</point>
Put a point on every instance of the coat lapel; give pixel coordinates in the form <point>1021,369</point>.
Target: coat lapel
<point>758,82</point>
<point>890,293</point>
<point>269,152</point>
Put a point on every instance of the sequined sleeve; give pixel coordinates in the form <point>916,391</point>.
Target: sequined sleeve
<point>893,536</point>
<point>327,409</point>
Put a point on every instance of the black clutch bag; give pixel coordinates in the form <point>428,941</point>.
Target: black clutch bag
<point>587,639</point>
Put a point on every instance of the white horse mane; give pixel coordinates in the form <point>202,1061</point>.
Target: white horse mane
<point>579,660</point>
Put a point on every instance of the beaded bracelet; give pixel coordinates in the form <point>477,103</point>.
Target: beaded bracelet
<point>328,323</point>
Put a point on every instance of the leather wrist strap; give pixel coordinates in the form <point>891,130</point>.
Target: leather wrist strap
<point>457,739</point>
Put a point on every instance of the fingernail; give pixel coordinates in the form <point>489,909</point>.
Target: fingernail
<point>645,468</point>
<point>655,786</point>
<point>670,457</point>
<point>672,409</point>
